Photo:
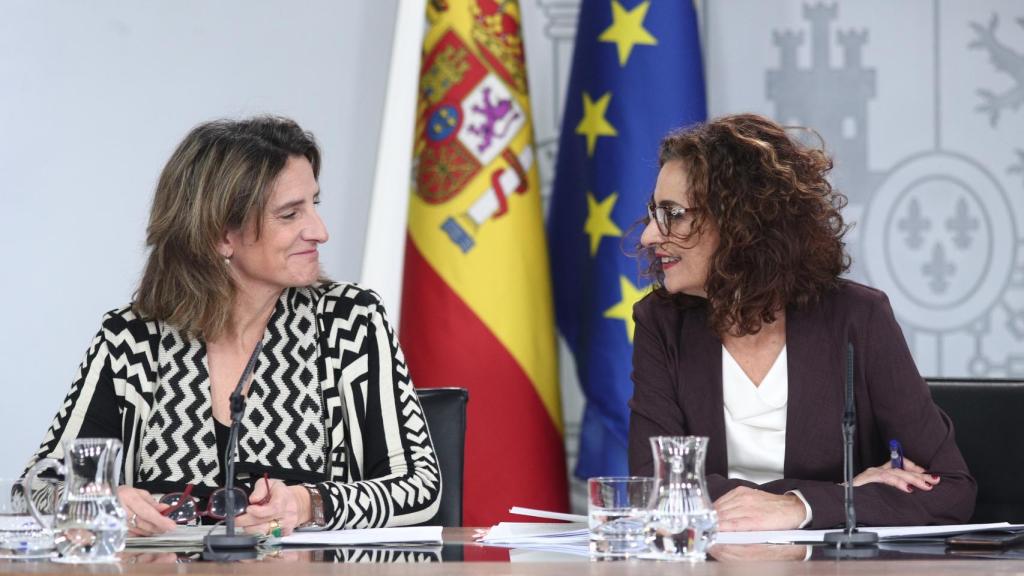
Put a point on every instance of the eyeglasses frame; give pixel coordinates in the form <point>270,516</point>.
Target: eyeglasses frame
<point>665,216</point>
<point>186,495</point>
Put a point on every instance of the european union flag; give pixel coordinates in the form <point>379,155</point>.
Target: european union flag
<point>636,75</point>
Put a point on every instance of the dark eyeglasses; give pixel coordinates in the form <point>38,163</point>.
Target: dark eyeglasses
<point>665,216</point>
<point>184,509</point>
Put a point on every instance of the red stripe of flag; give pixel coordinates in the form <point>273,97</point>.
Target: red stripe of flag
<point>514,452</point>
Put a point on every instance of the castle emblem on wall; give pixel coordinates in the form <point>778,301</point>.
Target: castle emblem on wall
<point>937,230</point>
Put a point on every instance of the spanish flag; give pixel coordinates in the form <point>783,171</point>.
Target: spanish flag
<point>477,308</point>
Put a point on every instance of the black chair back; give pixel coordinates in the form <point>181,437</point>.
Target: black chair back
<point>445,409</point>
<point>987,416</point>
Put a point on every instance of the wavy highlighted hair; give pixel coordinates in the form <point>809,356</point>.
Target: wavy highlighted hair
<point>778,218</point>
<point>218,179</point>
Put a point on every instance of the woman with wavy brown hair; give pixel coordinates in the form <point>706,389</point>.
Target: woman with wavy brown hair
<point>744,341</point>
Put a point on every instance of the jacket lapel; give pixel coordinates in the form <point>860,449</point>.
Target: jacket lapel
<point>178,440</point>
<point>282,428</point>
<point>700,394</point>
<point>814,409</point>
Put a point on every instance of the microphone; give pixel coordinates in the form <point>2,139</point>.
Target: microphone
<point>850,537</point>
<point>229,541</point>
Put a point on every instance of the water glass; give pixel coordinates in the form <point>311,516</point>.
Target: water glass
<point>21,537</point>
<point>618,508</point>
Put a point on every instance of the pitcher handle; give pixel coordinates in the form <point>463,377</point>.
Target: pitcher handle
<point>30,480</point>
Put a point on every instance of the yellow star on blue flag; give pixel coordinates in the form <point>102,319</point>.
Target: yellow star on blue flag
<point>599,220</point>
<point>627,29</point>
<point>594,123</point>
<point>623,309</point>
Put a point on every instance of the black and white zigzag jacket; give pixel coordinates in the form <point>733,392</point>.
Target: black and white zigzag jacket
<point>145,383</point>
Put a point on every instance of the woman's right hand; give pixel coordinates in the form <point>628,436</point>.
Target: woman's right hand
<point>910,477</point>
<point>144,513</point>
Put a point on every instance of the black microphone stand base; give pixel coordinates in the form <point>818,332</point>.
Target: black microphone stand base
<point>224,548</point>
<point>237,555</point>
<point>233,542</point>
<point>852,539</point>
<point>850,545</point>
<point>861,553</point>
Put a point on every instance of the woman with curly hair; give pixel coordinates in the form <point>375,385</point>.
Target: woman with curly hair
<point>744,341</point>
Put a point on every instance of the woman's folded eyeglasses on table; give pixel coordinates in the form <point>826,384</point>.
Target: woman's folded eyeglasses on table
<point>184,509</point>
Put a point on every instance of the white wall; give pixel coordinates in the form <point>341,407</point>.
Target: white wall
<point>95,95</point>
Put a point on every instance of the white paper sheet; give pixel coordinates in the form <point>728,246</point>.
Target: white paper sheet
<point>18,522</point>
<point>541,538</point>
<point>520,511</point>
<point>884,533</point>
<point>182,536</point>
<point>529,533</point>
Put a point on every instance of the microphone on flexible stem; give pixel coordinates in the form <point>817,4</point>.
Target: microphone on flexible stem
<point>231,546</point>
<point>850,537</point>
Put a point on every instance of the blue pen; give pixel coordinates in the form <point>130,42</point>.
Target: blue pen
<point>896,454</point>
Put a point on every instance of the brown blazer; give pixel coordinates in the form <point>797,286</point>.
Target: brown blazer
<point>677,377</point>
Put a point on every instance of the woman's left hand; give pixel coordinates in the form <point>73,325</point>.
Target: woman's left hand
<point>746,508</point>
<point>906,479</point>
<point>285,508</point>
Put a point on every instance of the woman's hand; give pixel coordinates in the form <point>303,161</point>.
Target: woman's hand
<point>910,477</point>
<point>746,508</point>
<point>289,507</point>
<point>144,518</point>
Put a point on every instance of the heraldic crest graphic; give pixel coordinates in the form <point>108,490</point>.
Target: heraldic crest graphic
<point>469,114</point>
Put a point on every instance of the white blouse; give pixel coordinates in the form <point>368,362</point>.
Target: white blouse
<point>755,423</point>
<point>755,420</point>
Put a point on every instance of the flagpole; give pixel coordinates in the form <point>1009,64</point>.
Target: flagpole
<point>384,247</point>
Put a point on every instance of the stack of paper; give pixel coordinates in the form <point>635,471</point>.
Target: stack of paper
<point>573,538</point>
<point>536,533</point>
<point>888,533</point>
<point>533,512</point>
<point>180,537</point>
<point>18,522</point>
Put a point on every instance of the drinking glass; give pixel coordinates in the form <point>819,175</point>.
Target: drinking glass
<point>618,508</point>
<point>21,537</point>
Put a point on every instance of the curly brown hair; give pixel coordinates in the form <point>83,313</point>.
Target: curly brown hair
<point>778,218</point>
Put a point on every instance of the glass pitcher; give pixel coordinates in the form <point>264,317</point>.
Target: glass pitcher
<point>89,523</point>
<point>682,523</point>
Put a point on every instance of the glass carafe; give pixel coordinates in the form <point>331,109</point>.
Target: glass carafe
<point>682,523</point>
<point>89,523</point>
